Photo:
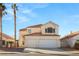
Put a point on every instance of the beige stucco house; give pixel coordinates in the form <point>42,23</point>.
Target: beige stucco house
<point>70,40</point>
<point>40,36</point>
<point>6,41</point>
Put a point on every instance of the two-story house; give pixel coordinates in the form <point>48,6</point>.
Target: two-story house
<point>40,36</point>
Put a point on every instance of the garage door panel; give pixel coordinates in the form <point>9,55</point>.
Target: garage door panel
<point>32,43</point>
<point>47,43</point>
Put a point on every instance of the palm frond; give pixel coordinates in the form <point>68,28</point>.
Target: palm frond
<point>14,6</point>
<point>2,6</point>
<point>4,13</point>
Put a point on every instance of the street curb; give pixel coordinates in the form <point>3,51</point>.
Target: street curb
<point>9,52</point>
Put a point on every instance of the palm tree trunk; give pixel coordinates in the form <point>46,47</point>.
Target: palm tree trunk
<point>0,28</point>
<point>15,25</point>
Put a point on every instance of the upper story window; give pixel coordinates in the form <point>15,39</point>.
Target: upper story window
<point>50,30</point>
<point>29,30</point>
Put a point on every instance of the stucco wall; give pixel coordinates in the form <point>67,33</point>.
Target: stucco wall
<point>44,37</point>
<point>33,30</point>
<point>49,25</point>
<point>21,37</point>
<point>24,32</point>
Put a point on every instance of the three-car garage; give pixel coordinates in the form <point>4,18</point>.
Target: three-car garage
<point>41,42</point>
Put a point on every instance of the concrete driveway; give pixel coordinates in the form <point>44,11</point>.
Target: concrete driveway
<point>58,51</point>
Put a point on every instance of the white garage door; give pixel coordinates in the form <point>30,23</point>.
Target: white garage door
<point>31,43</point>
<point>47,43</point>
<point>42,43</point>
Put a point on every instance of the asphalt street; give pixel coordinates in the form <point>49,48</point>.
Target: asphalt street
<point>35,54</point>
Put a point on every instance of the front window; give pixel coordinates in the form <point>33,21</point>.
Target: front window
<point>23,42</point>
<point>3,42</point>
<point>77,41</point>
<point>29,30</point>
<point>50,30</point>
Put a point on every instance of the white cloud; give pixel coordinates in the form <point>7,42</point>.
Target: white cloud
<point>72,19</point>
<point>29,12</point>
<point>23,20</point>
<point>20,19</point>
<point>39,5</point>
<point>75,16</point>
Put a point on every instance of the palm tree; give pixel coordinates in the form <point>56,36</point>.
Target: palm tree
<point>2,9</point>
<point>14,7</point>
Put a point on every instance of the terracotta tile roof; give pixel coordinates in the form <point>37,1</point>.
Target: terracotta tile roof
<point>6,36</point>
<point>40,34</point>
<point>39,25</point>
<point>23,29</point>
<point>70,35</point>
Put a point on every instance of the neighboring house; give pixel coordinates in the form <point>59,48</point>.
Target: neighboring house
<point>70,40</point>
<point>40,36</point>
<point>17,43</point>
<point>7,41</point>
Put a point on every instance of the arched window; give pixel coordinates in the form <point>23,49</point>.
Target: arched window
<point>50,30</point>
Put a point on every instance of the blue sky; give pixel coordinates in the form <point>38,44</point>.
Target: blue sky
<point>65,15</point>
